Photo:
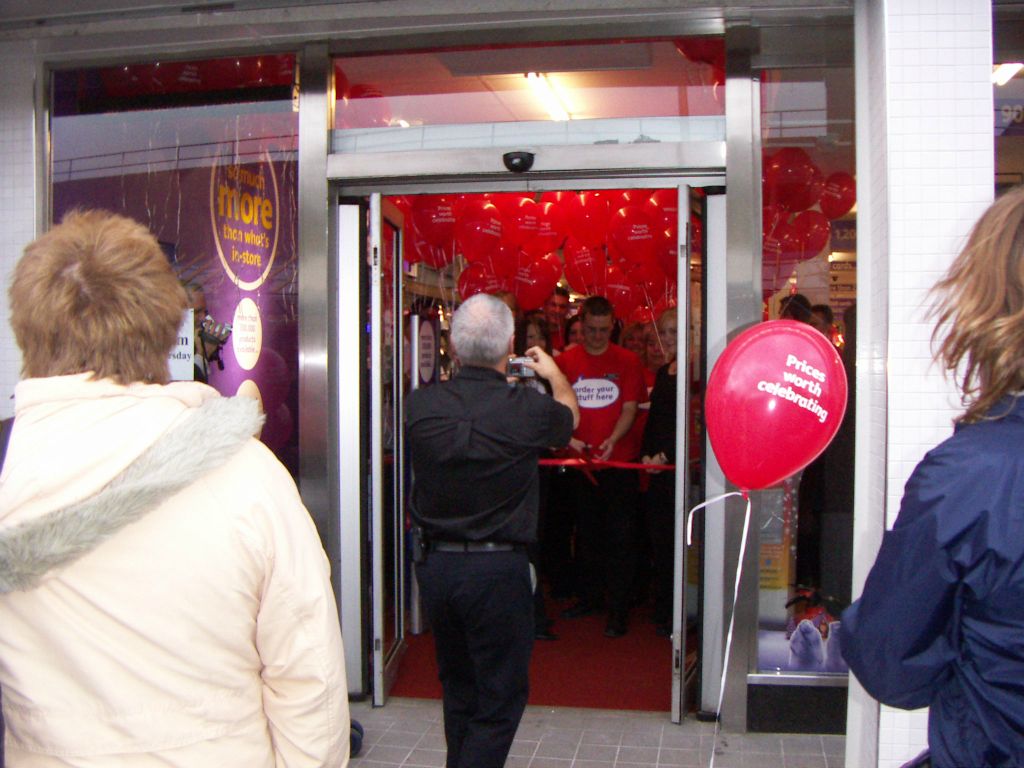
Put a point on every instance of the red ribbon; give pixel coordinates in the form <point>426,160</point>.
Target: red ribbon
<point>587,465</point>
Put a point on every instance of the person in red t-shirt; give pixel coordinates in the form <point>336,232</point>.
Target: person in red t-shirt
<point>609,385</point>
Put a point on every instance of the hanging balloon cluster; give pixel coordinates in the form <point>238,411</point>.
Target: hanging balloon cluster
<point>799,204</point>
<point>620,244</point>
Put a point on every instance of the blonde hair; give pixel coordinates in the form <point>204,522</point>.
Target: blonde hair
<point>981,303</point>
<point>96,294</point>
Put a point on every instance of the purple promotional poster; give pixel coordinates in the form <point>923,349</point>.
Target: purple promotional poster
<point>228,223</point>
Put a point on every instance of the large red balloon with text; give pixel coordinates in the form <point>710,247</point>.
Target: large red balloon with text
<point>585,268</point>
<point>774,401</point>
<point>521,221</point>
<point>633,233</point>
<point>587,217</point>
<point>477,278</point>
<point>535,281</point>
<point>550,232</point>
<point>478,229</point>
<point>434,217</point>
<point>838,195</point>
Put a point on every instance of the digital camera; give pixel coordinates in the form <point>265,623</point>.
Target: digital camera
<point>517,367</point>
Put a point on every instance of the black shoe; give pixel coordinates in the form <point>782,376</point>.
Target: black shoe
<point>544,634</point>
<point>578,610</point>
<point>616,626</point>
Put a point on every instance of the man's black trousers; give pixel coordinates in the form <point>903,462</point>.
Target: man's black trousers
<point>480,608</point>
<point>606,537</point>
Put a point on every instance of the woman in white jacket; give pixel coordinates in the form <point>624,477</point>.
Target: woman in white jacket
<point>164,596</point>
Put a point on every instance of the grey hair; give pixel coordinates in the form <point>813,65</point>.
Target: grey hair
<point>481,329</point>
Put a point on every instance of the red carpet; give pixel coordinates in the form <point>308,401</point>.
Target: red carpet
<point>583,668</point>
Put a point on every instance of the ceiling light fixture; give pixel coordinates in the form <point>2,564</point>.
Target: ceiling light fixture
<point>1003,73</point>
<point>544,91</point>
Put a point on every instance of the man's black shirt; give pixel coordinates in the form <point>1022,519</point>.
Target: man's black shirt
<point>475,442</point>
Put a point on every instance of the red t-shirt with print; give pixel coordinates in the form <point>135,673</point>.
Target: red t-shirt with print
<point>602,384</point>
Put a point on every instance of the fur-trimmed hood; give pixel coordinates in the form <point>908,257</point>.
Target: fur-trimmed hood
<point>136,445</point>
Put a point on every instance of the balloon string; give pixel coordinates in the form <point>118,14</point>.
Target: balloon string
<point>735,599</point>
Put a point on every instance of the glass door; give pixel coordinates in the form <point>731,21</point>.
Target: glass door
<point>646,257</point>
<point>386,492</point>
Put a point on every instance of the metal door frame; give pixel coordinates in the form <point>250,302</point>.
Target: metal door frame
<point>684,180</point>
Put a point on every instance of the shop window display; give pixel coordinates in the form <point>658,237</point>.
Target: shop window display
<point>203,153</point>
<point>809,275</point>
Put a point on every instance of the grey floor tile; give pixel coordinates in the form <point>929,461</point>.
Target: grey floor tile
<point>408,733</point>
<point>833,745</point>
<point>428,758</point>
<point>385,754</point>
<point>393,738</point>
<point>678,738</point>
<point>685,758</point>
<point>600,736</point>
<point>638,755</point>
<point>762,760</point>
<point>805,761</point>
<point>550,762</point>
<point>795,744</point>
<point>565,750</point>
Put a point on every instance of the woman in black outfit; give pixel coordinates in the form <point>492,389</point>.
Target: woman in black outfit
<point>659,447</point>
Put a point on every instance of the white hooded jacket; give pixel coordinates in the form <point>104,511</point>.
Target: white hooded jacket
<point>164,596</point>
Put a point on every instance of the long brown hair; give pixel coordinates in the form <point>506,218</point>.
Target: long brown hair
<point>981,309</point>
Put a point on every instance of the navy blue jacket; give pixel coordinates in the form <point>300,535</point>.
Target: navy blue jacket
<point>941,620</point>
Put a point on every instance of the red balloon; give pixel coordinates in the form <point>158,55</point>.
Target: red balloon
<point>772,215</point>
<point>522,221</point>
<point>550,230</point>
<point>663,208</point>
<point>585,267</point>
<point>774,401</point>
<point>403,203</point>
<point>550,267</point>
<point>625,197</point>
<point>418,249</point>
<point>783,244</point>
<point>478,229</point>
<point>619,291</point>
<point>587,218</point>
<point>666,253</point>
<point>557,196</point>
<point>533,284</point>
<point>792,180</point>
<point>504,261</point>
<point>704,50</point>
<point>643,315</point>
<point>434,217</point>
<point>632,233</point>
<point>814,230</point>
<point>838,195</point>
<point>649,279</point>
<point>477,278</point>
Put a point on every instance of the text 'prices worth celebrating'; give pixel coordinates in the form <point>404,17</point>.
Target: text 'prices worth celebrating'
<point>775,399</point>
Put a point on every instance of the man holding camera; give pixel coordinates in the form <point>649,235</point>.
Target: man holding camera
<point>474,443</point>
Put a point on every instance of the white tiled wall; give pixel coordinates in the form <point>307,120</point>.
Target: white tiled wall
<point>932,177</point>
<point>17,195</point>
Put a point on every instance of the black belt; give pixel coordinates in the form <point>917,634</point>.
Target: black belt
<point>474,546</point>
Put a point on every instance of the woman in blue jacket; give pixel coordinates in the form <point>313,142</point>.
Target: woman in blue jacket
<point>941,621</point>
